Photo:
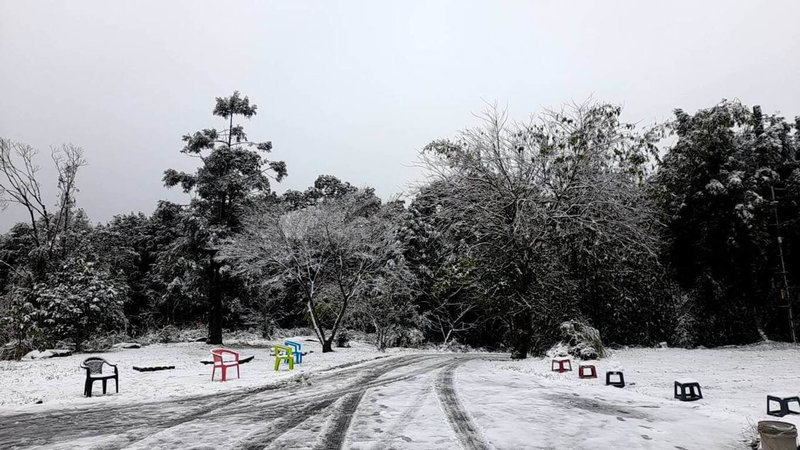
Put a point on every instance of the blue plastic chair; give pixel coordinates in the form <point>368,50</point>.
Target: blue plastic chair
<point>298,350</point>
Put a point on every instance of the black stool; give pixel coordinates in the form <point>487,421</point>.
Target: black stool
<point>619,383</point>
<point>694,392</point>
<point>783,400</point>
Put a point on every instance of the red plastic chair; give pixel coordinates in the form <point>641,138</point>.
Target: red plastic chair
<point>219,362</point>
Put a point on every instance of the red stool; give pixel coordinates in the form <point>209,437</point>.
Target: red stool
<point>564,365</point>
<point>582,371</point>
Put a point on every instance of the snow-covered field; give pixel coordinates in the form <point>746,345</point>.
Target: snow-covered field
<point>563,411</point>
<point>512,404</point>
<point>58,382</point>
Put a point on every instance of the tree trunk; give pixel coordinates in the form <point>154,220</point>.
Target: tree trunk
<point>447,337</point>
<point>215,306</point>
<point>312,313</point>
<point>327,346</point>
<point>78,343</point>
<point>521,335</point>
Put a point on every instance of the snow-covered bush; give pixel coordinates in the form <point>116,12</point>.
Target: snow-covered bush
<point>74,303</point>
<point>168,334</point>
<point>456,347</point>
<point>343,339</point>
<point>281,333</point>
<point>580,340</point>
<point>685,333</point>
<point>410,337</point>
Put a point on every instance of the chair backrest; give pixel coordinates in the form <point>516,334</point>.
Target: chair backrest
<point>282,348</point>
<point>218,354</point>
<point>94,364</point>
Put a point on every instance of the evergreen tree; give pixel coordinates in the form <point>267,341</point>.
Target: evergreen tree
<point>233,175</point>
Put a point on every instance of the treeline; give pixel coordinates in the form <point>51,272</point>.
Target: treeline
<point>520,226</point>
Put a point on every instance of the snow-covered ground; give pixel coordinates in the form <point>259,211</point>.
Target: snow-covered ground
<point>411,401</point>
<point>58,382</point>
<point>559,410</point>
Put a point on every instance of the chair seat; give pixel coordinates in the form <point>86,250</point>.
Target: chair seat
<point>687,381</point>
<point>102,376</point>
<point>783,395</point>
<point>226,364</point>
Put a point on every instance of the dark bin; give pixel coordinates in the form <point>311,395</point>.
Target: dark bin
<point>777,435</point>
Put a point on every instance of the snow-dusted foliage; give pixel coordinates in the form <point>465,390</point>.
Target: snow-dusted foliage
<point>581,340</point>
<point>328,252</point>
<point>716,186</point>
<point>386,306</point>
<point>519,227</point>
<point>74,303</point>
<point>551,221</point>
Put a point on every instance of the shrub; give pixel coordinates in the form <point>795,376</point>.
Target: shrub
<point>343,339</point>
<point>75,303</point>
<point>685,332</point>
<point>582,340</point>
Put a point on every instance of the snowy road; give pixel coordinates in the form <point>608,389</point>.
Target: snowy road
<point>417,401</point>
<point>327,410</point>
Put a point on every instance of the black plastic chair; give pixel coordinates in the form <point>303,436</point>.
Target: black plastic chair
<point>94,372</point>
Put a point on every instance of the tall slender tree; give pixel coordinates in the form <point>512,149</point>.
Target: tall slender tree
<point>232,175</point>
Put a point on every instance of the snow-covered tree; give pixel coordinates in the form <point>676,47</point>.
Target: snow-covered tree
<point>715,188</point>
<point>533,201</point>
<point>328,250</point>
<point>233,173</point>
<point>50,224</point>
<point>74,303</point>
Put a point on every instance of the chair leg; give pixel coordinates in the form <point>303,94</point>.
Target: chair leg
<point>116,383</point>
<point>224,373</point>
<point>238,374</point>
<point>105,382</point>
<point>213,371</point>
<point>87,388</point>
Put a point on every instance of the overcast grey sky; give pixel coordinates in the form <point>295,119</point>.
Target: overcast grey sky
<point>355,89</point>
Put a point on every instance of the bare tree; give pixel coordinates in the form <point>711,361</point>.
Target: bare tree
<point>387,304</point>
<point>529,199</point>
<point>19,185</point>
<point>328,250</point>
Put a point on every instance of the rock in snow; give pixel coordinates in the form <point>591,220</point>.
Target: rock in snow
<point>52,353</point>
<point>127,345</point>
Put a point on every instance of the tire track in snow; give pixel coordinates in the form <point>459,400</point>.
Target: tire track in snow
<point>462,424</point>
<point>340,424</point>
<point>402,422</point>
<point>287,418</point>
<point>277,410</point>
<point>139,421</point>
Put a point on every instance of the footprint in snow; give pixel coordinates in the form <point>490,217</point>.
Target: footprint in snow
<point>647,438</point>
<point>620,419</point>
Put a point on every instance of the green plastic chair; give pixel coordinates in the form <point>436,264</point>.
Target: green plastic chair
<point>284,353</point>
